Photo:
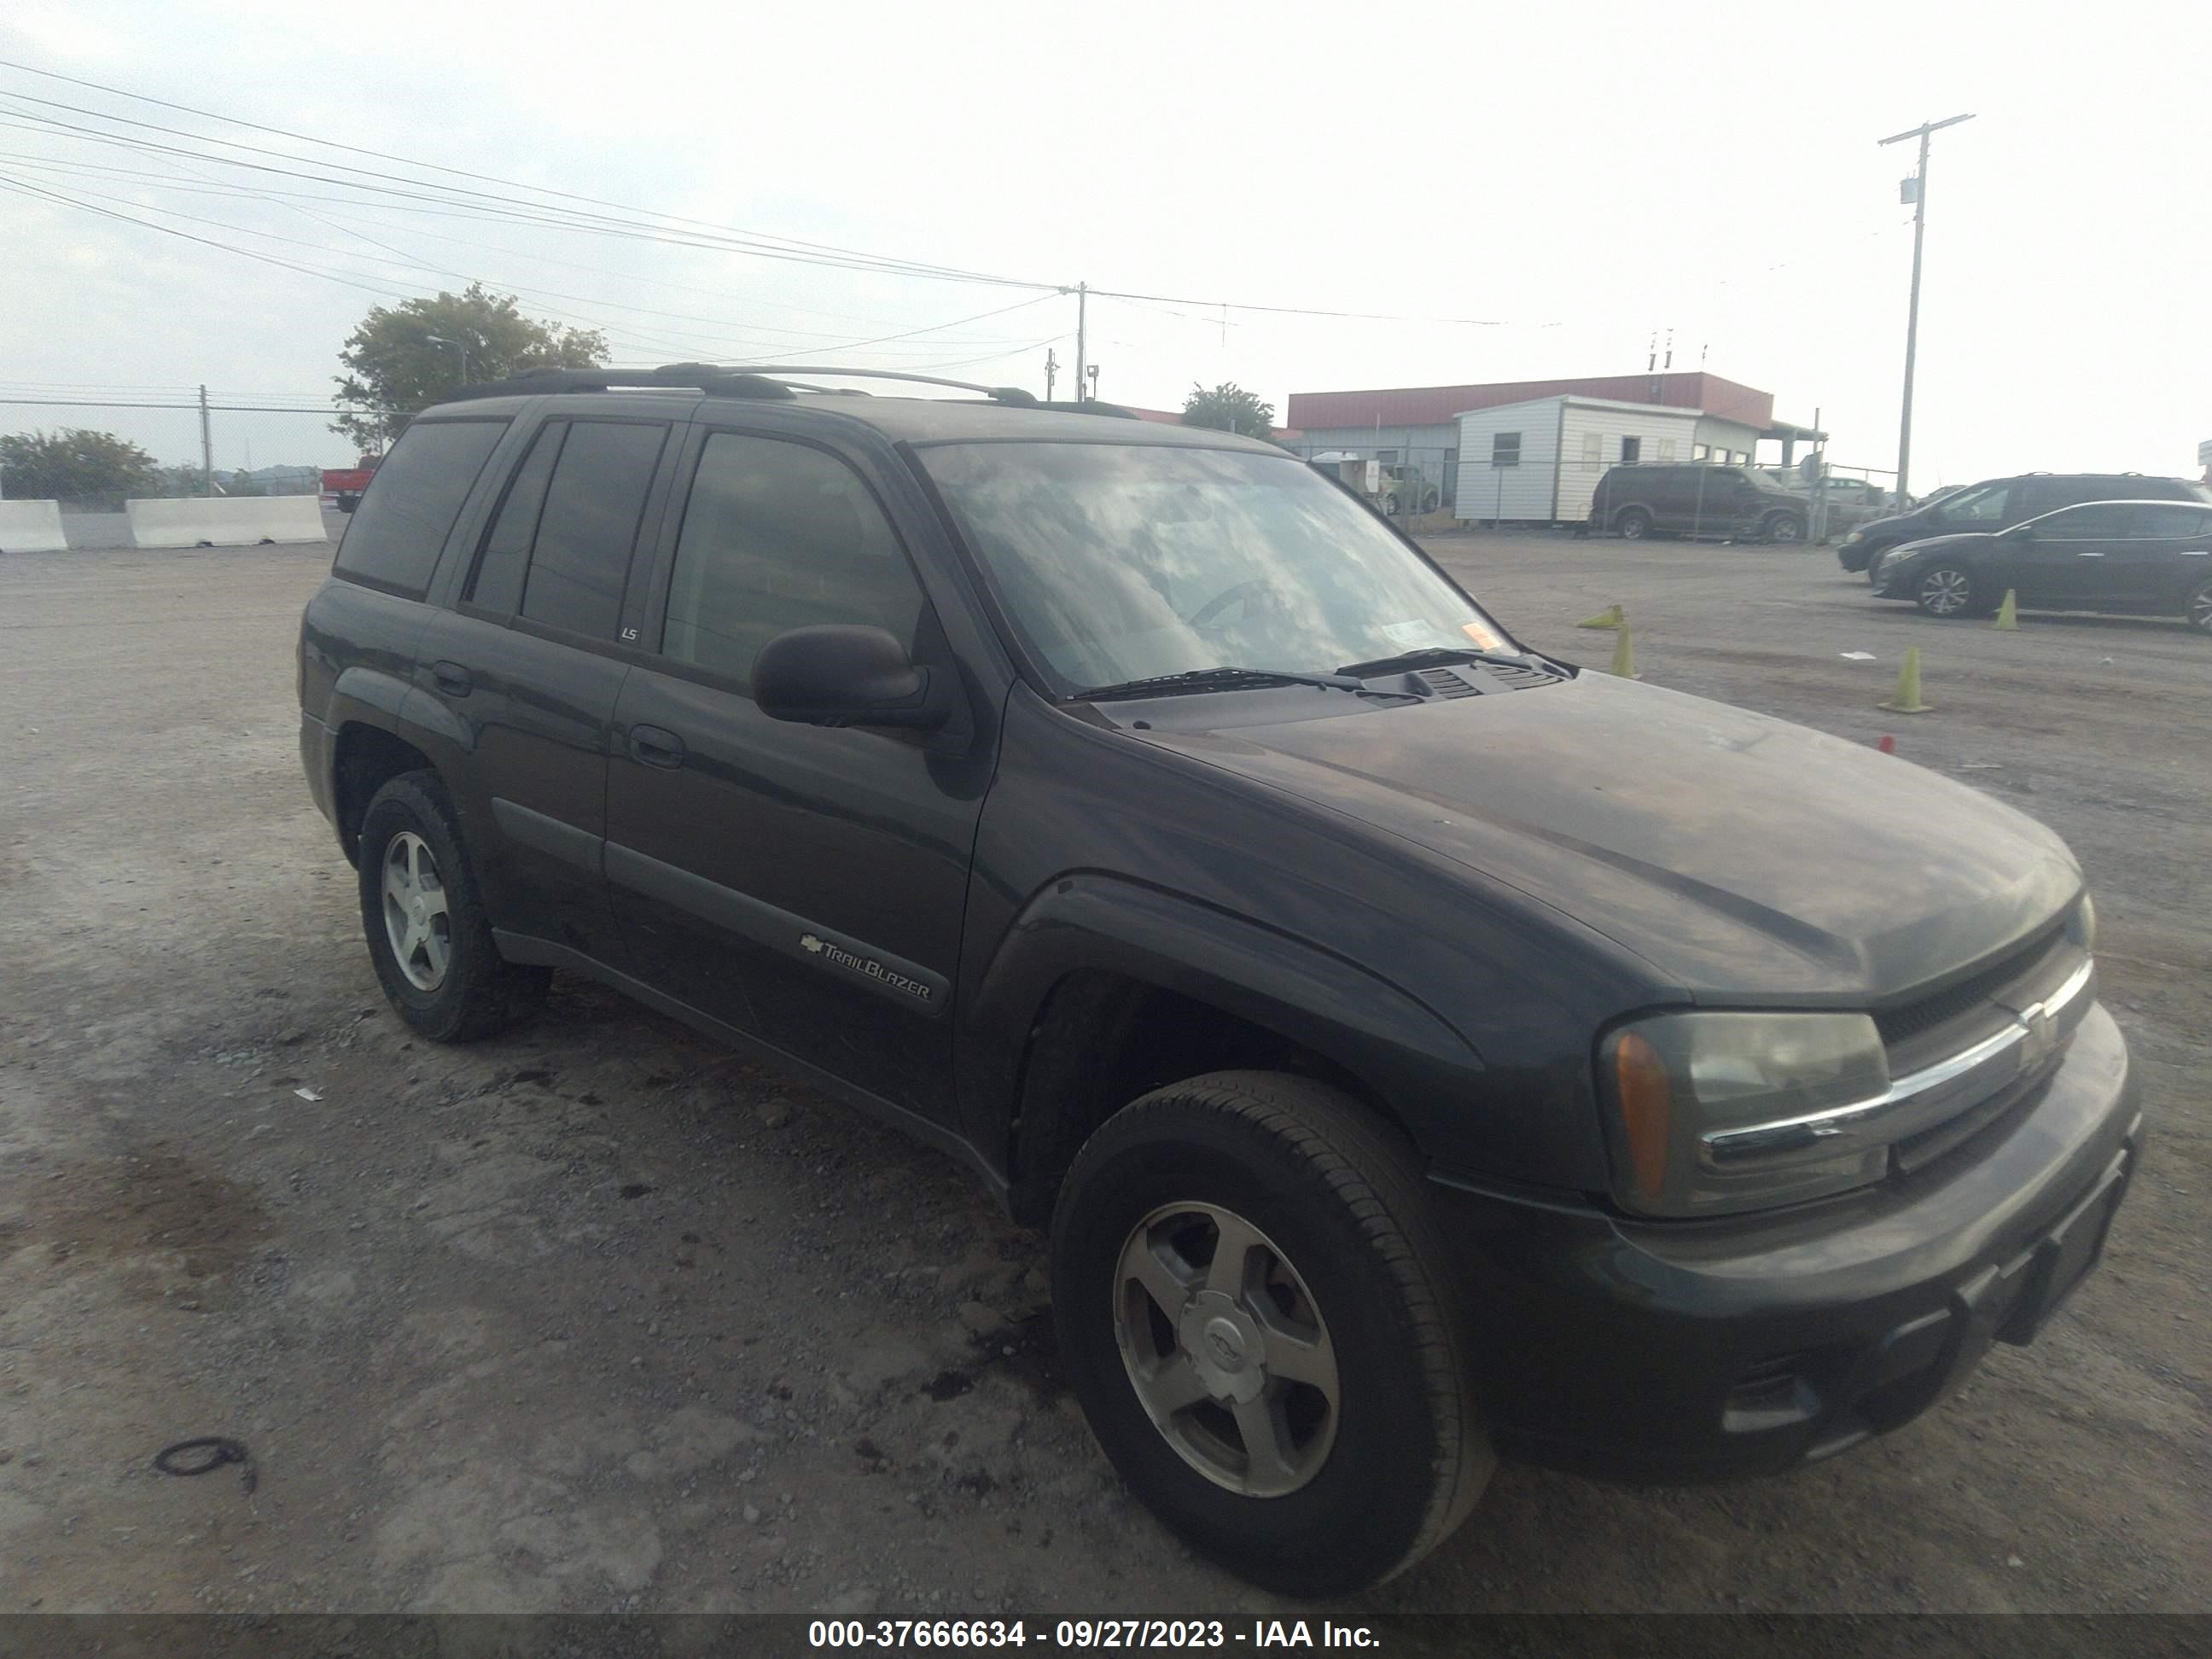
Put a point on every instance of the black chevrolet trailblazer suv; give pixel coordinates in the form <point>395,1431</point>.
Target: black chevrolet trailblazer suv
<point>1422,1050</point>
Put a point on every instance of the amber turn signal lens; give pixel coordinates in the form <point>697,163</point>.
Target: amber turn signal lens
<point>1646,1111</point>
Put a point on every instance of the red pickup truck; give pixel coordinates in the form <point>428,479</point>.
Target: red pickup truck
<point>341,486</point>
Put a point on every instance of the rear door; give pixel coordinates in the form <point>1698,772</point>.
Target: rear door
<point>804,883</point>
<point>529,661</point>
<point>2163,560</point>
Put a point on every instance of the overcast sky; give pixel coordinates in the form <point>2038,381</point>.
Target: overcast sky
<point>1578,177</point>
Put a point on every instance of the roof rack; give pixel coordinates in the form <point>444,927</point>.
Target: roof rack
<point>762,381</point>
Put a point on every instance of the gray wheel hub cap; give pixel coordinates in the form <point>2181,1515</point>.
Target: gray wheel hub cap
<point>1226,1349</point>
<point>416,921</point>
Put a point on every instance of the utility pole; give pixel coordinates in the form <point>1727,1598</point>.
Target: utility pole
<point>1051,371</point>
<point>1917,187</point>
<point>1082,339</point>
<point>207,449</point>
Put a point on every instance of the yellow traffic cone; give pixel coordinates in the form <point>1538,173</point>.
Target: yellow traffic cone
<point>2008,613</point>
<point>1624,655</point>
<point>1610,616</point>
<point>1907,700</point>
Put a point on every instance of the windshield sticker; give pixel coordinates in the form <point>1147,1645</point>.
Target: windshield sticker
<point>1483,635</point>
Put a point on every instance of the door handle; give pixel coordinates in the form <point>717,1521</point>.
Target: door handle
<point>452,679</point>
<point>650,746</point>
<point>2089,555</point>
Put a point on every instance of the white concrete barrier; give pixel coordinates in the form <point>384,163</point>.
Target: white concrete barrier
<point>31,527</point>
<point>225,520</point>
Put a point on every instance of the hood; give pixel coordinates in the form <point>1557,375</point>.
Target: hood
<point>1930,544</point>
<point>1905,524</point>
<point>1748,859</point>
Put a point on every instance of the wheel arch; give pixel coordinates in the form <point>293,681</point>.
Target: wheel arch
<point>1105,988</point>
<point>380,726</point>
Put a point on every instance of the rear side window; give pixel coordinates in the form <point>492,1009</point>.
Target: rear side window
<point>581,559</point>
<point>496,582</point>
<point>409,510</point>
<point>2165,522</point>
<point>778,536</point>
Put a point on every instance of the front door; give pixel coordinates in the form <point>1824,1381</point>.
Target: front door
<point>2063,561</point>
<point>804,883</point>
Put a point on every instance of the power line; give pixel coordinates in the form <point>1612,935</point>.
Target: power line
<point>730,241</point>
<point>459,173</point>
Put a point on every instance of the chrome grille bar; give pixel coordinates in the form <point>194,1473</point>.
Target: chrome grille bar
<point>1919,1100</point>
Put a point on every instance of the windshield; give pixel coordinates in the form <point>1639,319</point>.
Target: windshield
<point>1122,561</point>
<point>1983,502</point>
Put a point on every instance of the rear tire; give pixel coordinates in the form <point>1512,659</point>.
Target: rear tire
<point>1341,1276</point>
<point>2199,608</point>
<point>1634,523</point>
<point>429,935</point>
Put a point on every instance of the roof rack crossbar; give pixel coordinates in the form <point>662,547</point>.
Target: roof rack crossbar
<point>999,394</point>
<point>764,380</point>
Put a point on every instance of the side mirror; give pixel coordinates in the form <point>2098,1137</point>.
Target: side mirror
<point>840,674</point>
<point>2020,533</point>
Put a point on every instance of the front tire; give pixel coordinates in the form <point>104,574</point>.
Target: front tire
<point>1947,591</point>
<point>1302,1415</point>
<point>1634,523</point>
<point>2199,608</point>
<point>429,935</point>
<point>1782,527</point>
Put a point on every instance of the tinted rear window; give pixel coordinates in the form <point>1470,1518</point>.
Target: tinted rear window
<point>403,521</point>
<point>581,558</point>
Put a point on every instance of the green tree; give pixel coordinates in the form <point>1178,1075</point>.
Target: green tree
<point>1228,408</point>
<point>393,369</point>
<point>72,463</point>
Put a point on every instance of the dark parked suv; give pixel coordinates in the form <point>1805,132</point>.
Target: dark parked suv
<point>2000,503</point>
<point>1422,1050</point>
<point>1731,503</point>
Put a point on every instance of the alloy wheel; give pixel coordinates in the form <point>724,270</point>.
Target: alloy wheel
<point>1226,1349</point>
<point>1946,592</point>
<point>416,918</point>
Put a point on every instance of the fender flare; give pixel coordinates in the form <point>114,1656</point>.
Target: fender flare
<point>384,702</point>
<point>1375,1031</point>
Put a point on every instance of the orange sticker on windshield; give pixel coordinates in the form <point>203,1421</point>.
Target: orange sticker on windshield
<point>1481,633</point>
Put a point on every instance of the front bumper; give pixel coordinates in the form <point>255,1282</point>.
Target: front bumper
<point>1707,1351</point>
<point>1854,555</point>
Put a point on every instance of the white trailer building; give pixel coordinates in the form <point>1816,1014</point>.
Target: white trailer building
<point>1538,462</point>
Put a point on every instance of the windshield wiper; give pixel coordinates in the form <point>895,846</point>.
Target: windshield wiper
<point>1429,655</point>
<point>1216,679</point>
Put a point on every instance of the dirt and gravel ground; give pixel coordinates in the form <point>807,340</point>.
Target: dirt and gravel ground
<point>594,1317</point>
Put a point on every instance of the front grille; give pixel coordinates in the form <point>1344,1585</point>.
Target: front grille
<point>1899,1026</point>
<point>1930,1030</point>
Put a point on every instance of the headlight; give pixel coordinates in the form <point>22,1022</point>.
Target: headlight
<point>1687,1095</point>
<point>1856,536</point>
<point>2082,928</point>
